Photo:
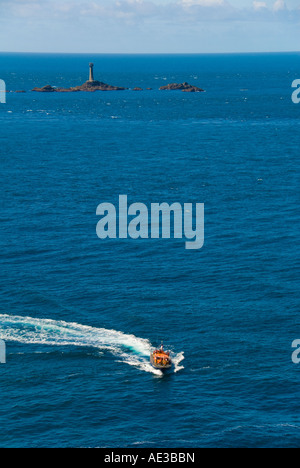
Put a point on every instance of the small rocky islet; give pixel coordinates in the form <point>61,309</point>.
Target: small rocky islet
<point>185,87</point>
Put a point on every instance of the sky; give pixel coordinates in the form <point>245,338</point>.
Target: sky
<point>149,26</point>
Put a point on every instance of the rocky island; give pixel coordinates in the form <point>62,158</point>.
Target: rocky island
<point>185,87</point>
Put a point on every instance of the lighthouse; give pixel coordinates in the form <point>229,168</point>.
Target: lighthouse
<point>91,72</point>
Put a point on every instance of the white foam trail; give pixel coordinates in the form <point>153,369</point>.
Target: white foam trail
<point>177,360</point>
<point>127,348</point>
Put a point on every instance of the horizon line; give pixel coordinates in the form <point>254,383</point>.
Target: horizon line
<point>153,53</point>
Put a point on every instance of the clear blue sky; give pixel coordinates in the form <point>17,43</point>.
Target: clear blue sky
<point>149,26</point>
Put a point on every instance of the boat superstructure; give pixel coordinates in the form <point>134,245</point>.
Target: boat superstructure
<point>161,359</point>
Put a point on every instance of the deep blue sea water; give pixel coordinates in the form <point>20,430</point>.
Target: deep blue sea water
<point>80,315</point>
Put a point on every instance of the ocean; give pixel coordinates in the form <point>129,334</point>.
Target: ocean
<point>80,315</point>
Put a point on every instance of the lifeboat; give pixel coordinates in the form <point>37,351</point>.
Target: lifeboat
<point>160,359</point>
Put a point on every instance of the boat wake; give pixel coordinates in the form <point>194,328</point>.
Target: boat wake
<point>125,348</point>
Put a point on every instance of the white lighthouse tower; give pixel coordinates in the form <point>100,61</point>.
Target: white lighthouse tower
<point>91,78</point>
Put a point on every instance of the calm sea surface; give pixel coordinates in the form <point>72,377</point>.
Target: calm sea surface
<point>80,315</point>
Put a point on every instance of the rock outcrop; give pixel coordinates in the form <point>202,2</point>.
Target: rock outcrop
<point>45,89</point>
<point>186,87</point>
<point>92,86</point>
